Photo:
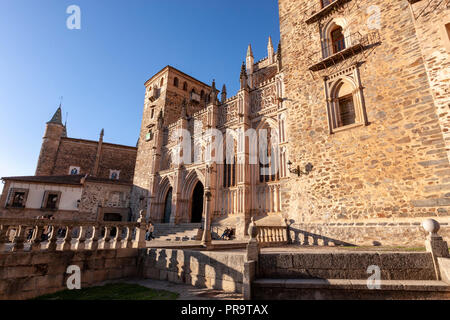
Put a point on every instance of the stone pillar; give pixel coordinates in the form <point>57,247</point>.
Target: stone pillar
<point>251,260</point>
<point>435,244</point>
<point>206,239</point>
<point>139,241</point>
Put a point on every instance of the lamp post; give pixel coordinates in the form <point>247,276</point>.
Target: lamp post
<point>297,171</point>
<point>206,238</point>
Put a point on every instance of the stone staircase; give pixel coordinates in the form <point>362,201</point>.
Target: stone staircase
<point>344,276</point>
<point>177,232</point>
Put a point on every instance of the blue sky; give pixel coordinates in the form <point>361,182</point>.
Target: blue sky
<point>100,70</point>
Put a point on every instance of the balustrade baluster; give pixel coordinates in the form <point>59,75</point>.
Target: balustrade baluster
<point>80,241</point>
<point>103,242</point>
<point>128,243</point>
<point>96,234</point>
<point>53,238</point>
<point>36,241</point>
<point>113,243</point>
<point>19,239</point>
<point>67,240</point>
<point>4,239</point>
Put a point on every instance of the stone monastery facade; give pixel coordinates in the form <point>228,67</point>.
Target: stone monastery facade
<point>354,104</point>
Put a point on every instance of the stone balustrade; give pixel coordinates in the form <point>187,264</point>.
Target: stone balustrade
<point>18,235</point>
<point>272,234</point>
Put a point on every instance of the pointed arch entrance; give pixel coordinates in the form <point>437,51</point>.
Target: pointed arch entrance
<point>168,206</point>
<point>197,203</point>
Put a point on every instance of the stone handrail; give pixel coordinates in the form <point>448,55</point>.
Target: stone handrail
<point>271,234</point>
<point>18,235</point>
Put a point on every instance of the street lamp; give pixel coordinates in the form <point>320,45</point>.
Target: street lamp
<point>297,171</point>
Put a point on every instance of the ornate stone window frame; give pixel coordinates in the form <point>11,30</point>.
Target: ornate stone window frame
<point>332,82</point>
<point>12,192</point>
<point>46,197</point>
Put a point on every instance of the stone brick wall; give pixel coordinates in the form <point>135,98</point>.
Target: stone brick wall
<point>100,198</point>
<point>27,275</point>
<point>346,265</point>
<point>381,232</point>
<point>82,153</point>
<point>394,167</point>
<point>431,18</point>
<point>215,270</point>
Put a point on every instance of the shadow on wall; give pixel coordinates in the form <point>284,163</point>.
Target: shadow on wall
<point>214,270</point>
<point>306,238</point>
<point>138,201</point>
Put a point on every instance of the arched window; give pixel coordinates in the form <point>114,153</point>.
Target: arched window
<point>202,94</point>
<point>193,90</point>
<point>337,39</point>
<point>345,107</point>
<point>185,86</point>
<point>335,36</point>
<point>175,82</point>
<point>345,101</point>
<point>162,82</point>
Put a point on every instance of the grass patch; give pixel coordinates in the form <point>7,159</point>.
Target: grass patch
<point>112,291</point>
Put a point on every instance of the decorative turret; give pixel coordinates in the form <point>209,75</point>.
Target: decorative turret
<point>279,57</point>
<point>250,60</point>
<point>224,94</point>
<point>270,51</point>
<point>99,153</point>
<point>243,77</point>
<point>214,93</point>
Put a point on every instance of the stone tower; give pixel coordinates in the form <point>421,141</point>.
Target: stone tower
<point>368,108</point>
<point>166,94</point>
<point>54,131</point>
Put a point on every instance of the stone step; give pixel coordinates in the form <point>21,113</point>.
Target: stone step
<point>179,232</point>
<point>346,289</point>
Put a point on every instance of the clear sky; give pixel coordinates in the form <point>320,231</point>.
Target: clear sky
<point>100,69</point>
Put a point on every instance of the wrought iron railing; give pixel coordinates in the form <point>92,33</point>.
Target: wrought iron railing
<point>332,52</point>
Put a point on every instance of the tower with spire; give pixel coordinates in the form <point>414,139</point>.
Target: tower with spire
<point>54,131</point>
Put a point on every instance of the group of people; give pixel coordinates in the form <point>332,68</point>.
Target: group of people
<point>47,229</point>
<point>227,233</point>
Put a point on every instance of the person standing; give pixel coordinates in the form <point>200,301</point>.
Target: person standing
<point>151,229</point>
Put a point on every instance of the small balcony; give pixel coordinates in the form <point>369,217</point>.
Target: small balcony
<point>337,51</point>
<point>322,8</point>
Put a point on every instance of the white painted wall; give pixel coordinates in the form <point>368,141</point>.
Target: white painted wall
<point>69,195</point>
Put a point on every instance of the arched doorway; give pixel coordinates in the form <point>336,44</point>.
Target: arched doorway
<point>168,206</point>
<point>197,203</point>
